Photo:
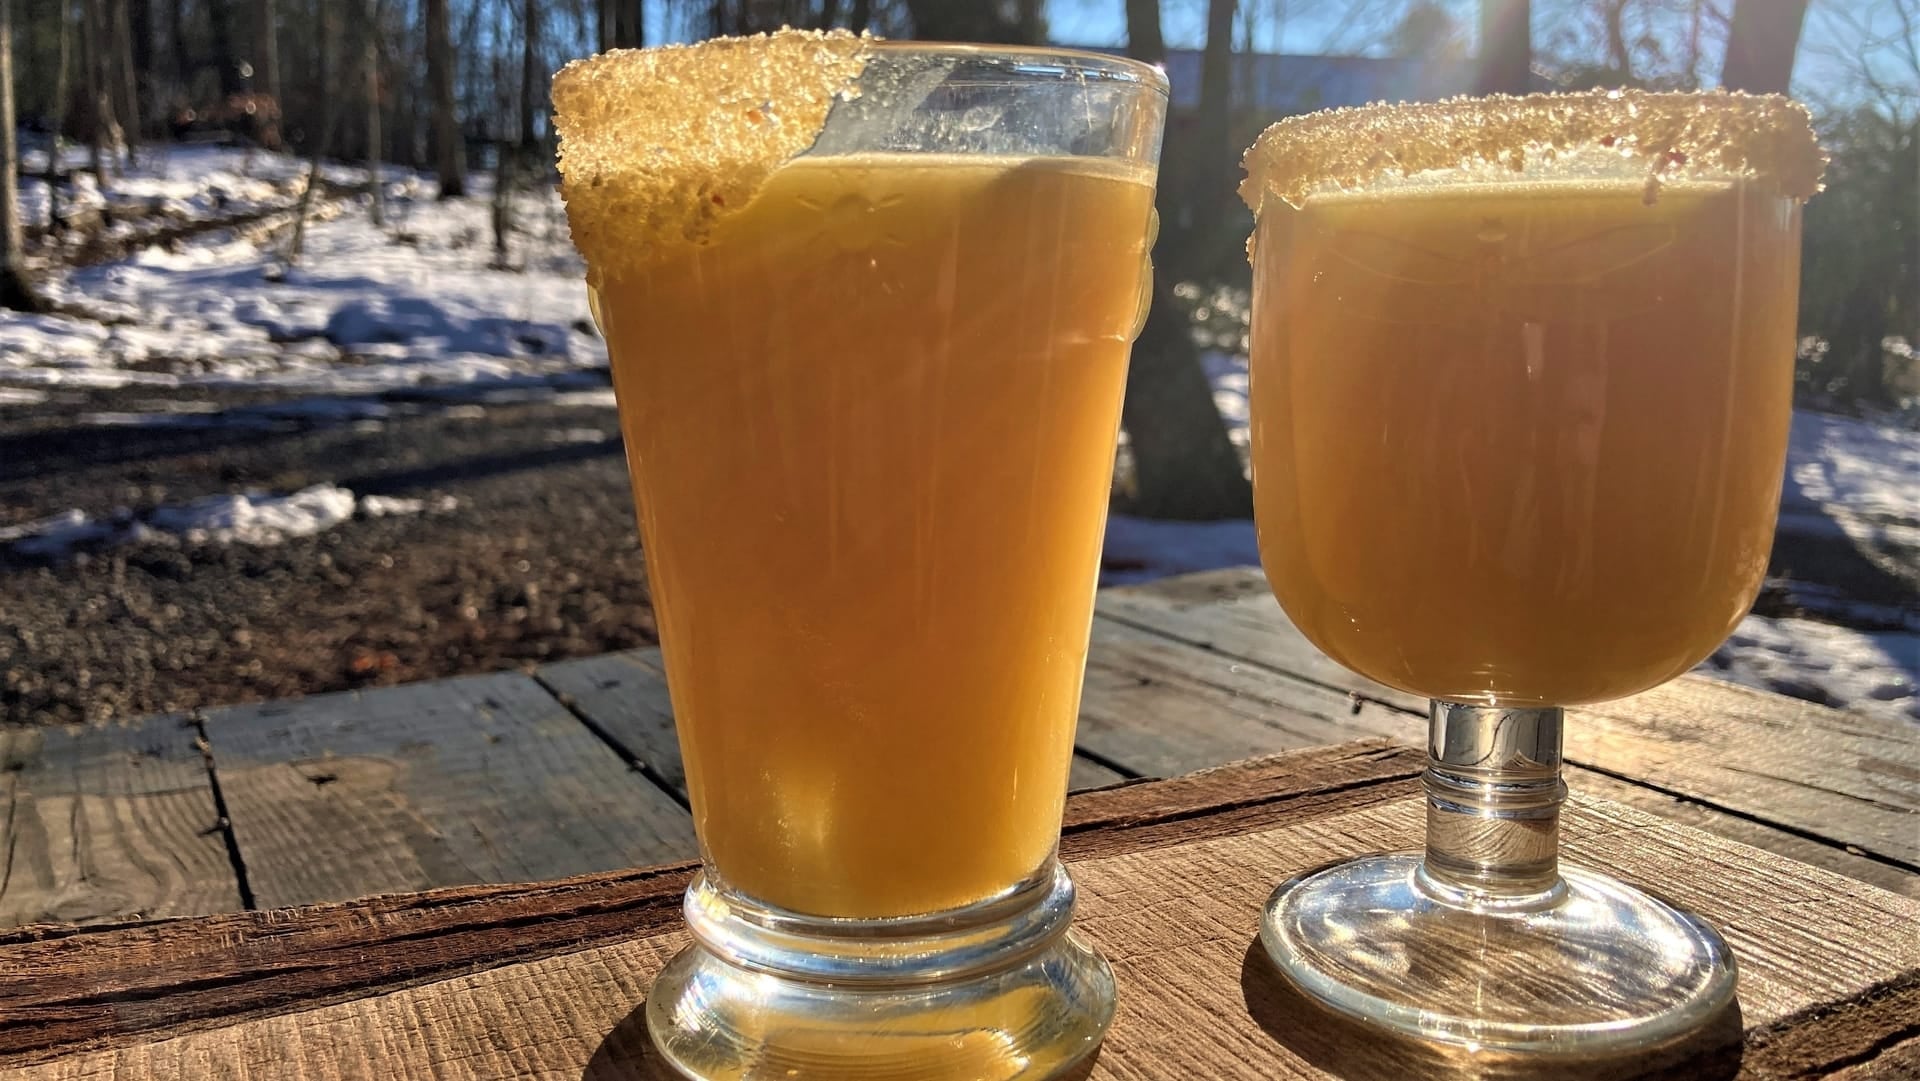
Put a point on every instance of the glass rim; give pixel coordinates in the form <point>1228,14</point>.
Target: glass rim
<point>1037,60</point>
<point>1666,135</point>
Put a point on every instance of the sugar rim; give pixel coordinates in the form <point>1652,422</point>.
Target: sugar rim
<point>658,145</point>
<point>1674,135</point>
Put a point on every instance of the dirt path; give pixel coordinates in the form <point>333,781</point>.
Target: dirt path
<point>537,561</point>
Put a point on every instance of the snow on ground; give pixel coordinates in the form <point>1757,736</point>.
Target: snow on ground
<point>413,303</point>
<point>255,518</point>
<point>192,182</point>
<point>1871,671</point>
<point>1870,469</point>
<point>1856,477</point>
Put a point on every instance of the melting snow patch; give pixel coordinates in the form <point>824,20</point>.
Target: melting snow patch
<point>380,506</point>
<point>254,518</point>
<point>600,399</point>
<point>1869,671</point>
<point>51,538</point>
<point>1862,467</point>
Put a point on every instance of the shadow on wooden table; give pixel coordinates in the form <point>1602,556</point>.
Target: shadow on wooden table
<point>627,1054</point>
<point>1348,1050</point>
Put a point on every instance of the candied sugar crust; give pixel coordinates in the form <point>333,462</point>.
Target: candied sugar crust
<point>1674,135</point>
<point>658,144</point>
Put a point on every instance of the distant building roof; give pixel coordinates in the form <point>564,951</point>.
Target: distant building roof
<point>1283,84</point>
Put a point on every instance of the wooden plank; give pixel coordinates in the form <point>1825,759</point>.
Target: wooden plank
<point>1160,707</point>
<point>1847,777</point>
<point>193,974</point>
<point>625,696</point>
<point>1208,1004</point>
<point>1830,968</point>
<point>1233,613</point>
<point>1807,770</point>
<point>481,779</point>
<point>1087,774</point>
<point>1802,849</point>
<point>108,823</point>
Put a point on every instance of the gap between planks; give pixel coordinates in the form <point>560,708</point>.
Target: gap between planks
<point>1225,591</point>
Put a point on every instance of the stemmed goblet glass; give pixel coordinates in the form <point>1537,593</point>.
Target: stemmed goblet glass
<point>1520,387</point>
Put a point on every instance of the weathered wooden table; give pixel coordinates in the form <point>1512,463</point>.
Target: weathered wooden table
<point>1699,790</point>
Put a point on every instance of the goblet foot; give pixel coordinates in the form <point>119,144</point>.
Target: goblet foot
<point>1586,965</point>
<point>996,991</point>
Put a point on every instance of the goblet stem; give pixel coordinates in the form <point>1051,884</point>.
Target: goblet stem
<point>1493,806</point>
<point>1484,941</point>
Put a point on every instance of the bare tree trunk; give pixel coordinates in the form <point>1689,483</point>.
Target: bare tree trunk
<point>502,206</point>
<point>622,24</point>
<point>268,70</point>
<point>505,153</point>
<point>529,72</point>
<point>103,130</point>
<point>1031,22</point>
<point>406,105</point>
<point>996,21</point>
<point>225,50</point>
<point>860,16</point>
<point>63,9</point>
<point>1211,196</point>
<point>1144,38</point>
<point>1613,18</point>
<point>325,33</point>
<point>1506,46</point>
<point>128,83</point>
<point>16,289</point>
<point>1696,15</point>
<point>376,211</point>
<point>140,16</point>
<point>1761,44</point>
<point>177,45</point>
<point>1184,466</point>
<point>446,126</point>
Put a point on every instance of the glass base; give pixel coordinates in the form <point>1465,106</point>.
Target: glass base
<point>1590,965</point>
<point>993,991</point>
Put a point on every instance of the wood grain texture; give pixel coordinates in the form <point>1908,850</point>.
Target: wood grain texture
<point>1161,707</point>
<point>1818,853</point>
<point>1233,613</point>
<point>1085,774</point>
<point>1850,779</point>
<point>482,779</point>
<point>1830,976</point>
<point>1805,940</point>
<point>625,696</point>
<point>109,823</point>
<point>112,985</point>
